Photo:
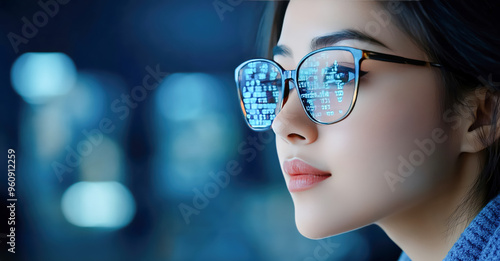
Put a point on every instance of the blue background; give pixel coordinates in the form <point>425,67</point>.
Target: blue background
<point>167,152</point>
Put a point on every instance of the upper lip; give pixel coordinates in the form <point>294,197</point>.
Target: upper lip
<point>299,167</point>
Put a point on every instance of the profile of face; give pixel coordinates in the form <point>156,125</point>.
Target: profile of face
<point>339,174</point>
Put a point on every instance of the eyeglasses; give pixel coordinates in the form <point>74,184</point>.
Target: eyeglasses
<point>327,83</point>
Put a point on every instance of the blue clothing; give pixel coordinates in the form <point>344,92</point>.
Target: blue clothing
<point>480,240</point>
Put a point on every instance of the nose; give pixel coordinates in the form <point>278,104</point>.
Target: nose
<point>292,123</point>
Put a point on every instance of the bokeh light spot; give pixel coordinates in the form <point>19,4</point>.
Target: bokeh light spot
<point>98,204</point>
<point>38,77</point>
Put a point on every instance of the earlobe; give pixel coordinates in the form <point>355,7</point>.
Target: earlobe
<point>482,128</point>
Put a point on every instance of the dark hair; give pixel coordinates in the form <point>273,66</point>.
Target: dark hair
<point>462,35</point>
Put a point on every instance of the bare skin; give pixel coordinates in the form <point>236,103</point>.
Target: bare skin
<point>397,105</point>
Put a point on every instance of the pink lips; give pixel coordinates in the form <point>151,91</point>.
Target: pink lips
<point>302,175</point>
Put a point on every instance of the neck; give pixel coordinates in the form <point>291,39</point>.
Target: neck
<point>424,231</point>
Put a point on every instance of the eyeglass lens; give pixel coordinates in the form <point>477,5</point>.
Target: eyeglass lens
<point>326,86</point>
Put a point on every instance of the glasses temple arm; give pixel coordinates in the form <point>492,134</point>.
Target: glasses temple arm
<point>396,59</point>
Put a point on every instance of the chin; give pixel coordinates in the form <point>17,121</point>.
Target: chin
<point>315,224</point>
<point>312,234</point>
<point>318,227</point>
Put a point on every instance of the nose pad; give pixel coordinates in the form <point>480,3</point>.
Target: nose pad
<point>286,92</point>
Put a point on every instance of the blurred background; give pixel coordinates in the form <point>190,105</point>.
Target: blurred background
<point>130,143</point>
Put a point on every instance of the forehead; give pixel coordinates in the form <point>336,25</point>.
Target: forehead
<point>307,19</point>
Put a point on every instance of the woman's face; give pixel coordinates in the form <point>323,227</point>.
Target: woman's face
<point>364,163</point>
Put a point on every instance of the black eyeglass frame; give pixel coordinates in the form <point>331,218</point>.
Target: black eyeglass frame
<point>287,75</point>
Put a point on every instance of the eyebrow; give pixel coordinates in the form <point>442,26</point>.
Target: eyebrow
<point>331,39</point>
<point>282,50</point>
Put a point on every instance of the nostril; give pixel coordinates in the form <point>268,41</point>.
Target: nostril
<point>296,136</point>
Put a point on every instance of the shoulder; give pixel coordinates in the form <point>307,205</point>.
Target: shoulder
<point>404,257</point>
<point>492,249</point>
<point>481,239</point>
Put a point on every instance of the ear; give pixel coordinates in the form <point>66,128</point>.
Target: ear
<point>479,128</point>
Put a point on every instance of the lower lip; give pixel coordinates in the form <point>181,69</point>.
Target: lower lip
<point>304,182</point>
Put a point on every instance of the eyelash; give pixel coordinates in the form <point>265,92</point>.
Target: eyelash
<point>361,73</point>
<point>349,69</point>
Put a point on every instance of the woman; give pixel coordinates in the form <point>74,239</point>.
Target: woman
<point>386,113</point>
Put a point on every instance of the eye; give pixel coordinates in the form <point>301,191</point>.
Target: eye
<point>340,74</point>
<point>344,74</point>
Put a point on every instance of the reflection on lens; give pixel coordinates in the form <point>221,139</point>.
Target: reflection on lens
<point>260,88</point>
<point>327,84</point>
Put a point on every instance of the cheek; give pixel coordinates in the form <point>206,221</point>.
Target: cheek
<point>388,124</point>
<point>391,121</point>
